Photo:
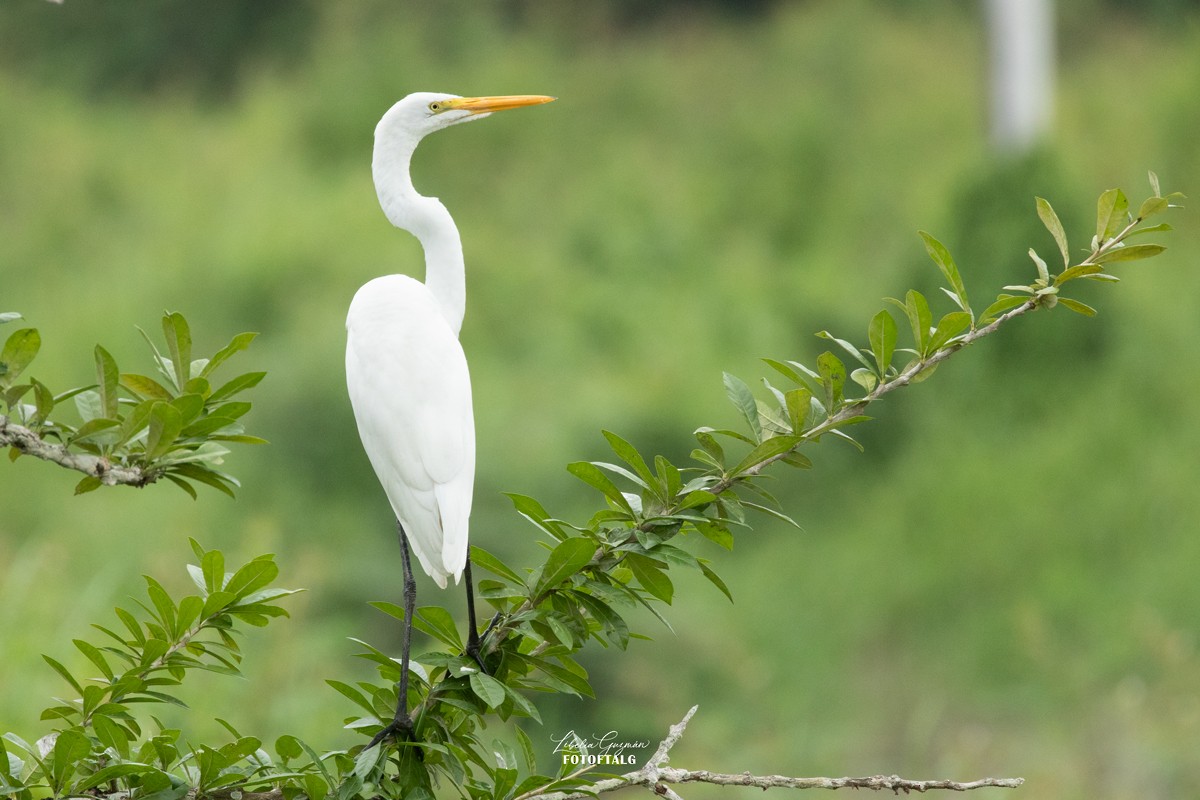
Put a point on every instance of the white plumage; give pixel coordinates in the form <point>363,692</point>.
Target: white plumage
<point>405,369</point>
<point>411,394</point>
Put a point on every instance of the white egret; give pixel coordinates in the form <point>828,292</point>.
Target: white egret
<point>406,372</point>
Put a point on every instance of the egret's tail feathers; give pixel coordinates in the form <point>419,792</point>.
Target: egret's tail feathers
<point>454,511</point>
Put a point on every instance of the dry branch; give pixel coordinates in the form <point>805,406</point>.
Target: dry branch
<point>656,776</point>
<point>29,443</point>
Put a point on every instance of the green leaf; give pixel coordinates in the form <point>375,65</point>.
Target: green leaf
<point>568,558</point>
<point>768,449</point>
<point>779,515</point>
<point>941,256</point>
<point>255,575</point>
<point>710,444</point>
<point>198,386</point>
<point>865,378</point>
<point>189,407</point>
<point>882,335</point>
<point>787,371</point>
<point>1050,220</point>
<point>89,484</point>
<point>144,387</point>
<point>629,454</point>
<point>833,378</point>
<point>799,405</point>
<point>240,342</point>
<point>847,346</point>
<point>1003,303</point>
<point>164,427</point>
<point>715,579</point>
<point>135,422</point>
<point>697,497</point>
<point>650,576</point>
<point>921,318</point>
<point>107,378</point>
<point>1159,228</point>
<point>190,608</point>
<point>487,689</point>
<point>162,603</point>
<point>95,656</point>
<point>93,429</point>
<point>948,327</point>
<point>366,761</point>
<point>179,345</point>
<point>1077,271</point>
<point>527,750</point>
<point>482,558</point>
<point>1111,209</point>
<point>19,350</point>
<point>669,478</point>
<point>217,480</point>
<point>1152,206</point>
<point>66,675</point>
<point>1077,307</point>
<point>617,469</point>
<point>717,533</point>
<point>743,400</point>
<point>1130,253</point>
<point>238,384</point>
<point>1043,270</point>
<point>288,747</point>
<point>43,399</point>
<point>592,475</point>
<point>438,623</point>
<point>70,749</point>
<point>115,736</point>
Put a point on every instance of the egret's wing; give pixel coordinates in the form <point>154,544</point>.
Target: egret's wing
<point>411,393</point>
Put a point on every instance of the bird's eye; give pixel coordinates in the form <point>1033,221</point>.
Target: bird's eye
<point>435,106</point>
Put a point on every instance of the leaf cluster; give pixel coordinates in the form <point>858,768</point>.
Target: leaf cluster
<point>175,426</point>
<point>101,745</point>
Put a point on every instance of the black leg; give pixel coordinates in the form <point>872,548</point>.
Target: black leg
<point>472,624</point>
<point>402,724</point>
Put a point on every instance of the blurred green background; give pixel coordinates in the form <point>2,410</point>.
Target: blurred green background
<point>1004,584</point>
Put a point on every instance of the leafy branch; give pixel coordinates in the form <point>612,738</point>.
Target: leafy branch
<point>133,429</point>
<point>99,743</point>
<point>593,575</point>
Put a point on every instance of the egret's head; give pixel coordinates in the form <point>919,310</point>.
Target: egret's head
<point>422,113</point>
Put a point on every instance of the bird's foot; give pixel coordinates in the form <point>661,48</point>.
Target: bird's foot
<point>400,729</point>
<point>475,652</point>
<point>475,641</point>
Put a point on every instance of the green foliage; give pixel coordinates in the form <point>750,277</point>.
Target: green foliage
<point>175,427</point>
<point>620,560</point>
<point>103,743</point>
<point>593,575</point>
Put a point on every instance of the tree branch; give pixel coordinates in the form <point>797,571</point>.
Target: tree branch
<point>655,776</point>
<point>109,474</point>
<point>906,377</point>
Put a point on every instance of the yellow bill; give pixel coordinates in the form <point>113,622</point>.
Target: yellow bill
<point>485,105</point>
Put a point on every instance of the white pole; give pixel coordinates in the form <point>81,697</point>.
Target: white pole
<point>1021,37</point>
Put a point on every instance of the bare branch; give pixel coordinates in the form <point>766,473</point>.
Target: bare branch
<point>109,474</point>
<point>655,776</point>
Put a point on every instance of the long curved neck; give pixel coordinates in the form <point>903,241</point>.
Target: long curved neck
<point>428,220</point>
